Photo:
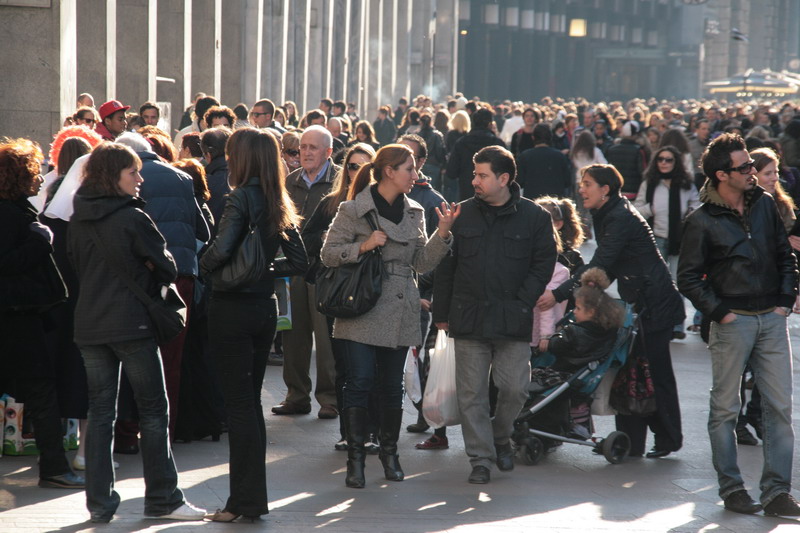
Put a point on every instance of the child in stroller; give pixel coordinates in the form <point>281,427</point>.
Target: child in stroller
<point>590,336</point>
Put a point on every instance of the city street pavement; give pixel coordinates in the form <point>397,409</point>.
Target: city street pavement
<point>569,490</point>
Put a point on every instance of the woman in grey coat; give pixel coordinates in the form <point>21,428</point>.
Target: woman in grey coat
<point>376,342</point>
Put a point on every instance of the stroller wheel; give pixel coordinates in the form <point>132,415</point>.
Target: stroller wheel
<point>616,447</point>
<point>532,450</point>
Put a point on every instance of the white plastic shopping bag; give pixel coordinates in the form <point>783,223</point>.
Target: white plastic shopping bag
<point>440,403</point>
<point>412,383</point>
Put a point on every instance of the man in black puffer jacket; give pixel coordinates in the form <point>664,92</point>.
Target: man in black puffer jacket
<point>459,165</point>
<point>736,266</point>
<point>504,252</point>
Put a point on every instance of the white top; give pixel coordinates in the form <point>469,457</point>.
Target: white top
<point>510,127</point>
<point>659,209</point>
<point>580,161</point>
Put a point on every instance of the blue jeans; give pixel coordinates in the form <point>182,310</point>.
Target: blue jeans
<point>763,342</point>
<point>240,333</point>
<point>367,364</point>
<point>142,363</point>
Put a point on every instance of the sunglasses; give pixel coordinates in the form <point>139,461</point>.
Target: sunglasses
<point>87,120</point>
<point>665,159</point>
<point>744,168</point>
<point>353,167</point>
<point>292,153</point>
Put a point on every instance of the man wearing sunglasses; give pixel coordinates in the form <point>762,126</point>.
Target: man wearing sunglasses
<point>261,116</point>
<point>736,266</point>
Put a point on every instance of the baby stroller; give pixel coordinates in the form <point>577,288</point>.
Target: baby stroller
<point>529,441</point>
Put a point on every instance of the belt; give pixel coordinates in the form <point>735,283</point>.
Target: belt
<point>398,269</point>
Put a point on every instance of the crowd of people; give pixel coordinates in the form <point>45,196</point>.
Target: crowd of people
<point>479,212</point>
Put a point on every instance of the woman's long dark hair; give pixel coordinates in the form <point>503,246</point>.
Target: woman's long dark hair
<point>679,176</point>
<point>256,153</point>
<point>675,138</point>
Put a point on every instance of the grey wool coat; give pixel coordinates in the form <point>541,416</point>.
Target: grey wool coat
<point>394,321</point>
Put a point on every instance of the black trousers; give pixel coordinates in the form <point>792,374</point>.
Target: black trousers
<point>665,423</point>
<point>240,334</point>
<point>28,374</point>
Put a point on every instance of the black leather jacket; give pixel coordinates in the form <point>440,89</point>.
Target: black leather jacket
<point>235,220</point>
<point>580,343</point>
<point>627,251</point>
<point>501,261</point>
<point>732,262</point>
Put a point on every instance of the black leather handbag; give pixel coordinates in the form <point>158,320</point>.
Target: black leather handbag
<point>351,289</point>
<point>167,311</point>
<point>249,262</point>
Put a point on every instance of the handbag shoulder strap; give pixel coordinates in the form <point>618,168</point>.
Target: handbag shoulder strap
<point>259,220</point>
<point>116,266</point>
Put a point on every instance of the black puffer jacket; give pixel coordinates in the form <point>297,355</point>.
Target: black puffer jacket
<point>107,311</point>
<point>630,159</point>
<point>500,264</point>
<point>242,207</point>
<point>627,251</point>
<point>580,343</point>
<point>748,261</point>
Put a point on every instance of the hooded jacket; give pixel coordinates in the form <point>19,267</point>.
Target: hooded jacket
<point>107,311</point>
<point>729,261</point>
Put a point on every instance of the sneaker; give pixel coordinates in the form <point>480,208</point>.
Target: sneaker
<point>784,504</point>
<point>433,443</point>
<point>371,446</point>
<point>341,446</point>
<point>744,437</point>
<point>79,463</point>
<point>70,480</point>
<point>186,512</point>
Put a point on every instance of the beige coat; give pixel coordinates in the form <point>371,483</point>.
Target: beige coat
<point>394,321</point>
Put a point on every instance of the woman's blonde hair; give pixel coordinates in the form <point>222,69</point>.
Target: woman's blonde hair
<point>592,295</point>
<point>460,121</point>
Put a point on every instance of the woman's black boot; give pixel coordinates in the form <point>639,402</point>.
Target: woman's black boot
<point>355,422</point>
<point>390,431</point>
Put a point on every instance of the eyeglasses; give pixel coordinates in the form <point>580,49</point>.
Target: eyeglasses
<point>665,159</point>
<point>292,153</point>
<point>257,114</point>
<point>744,168</point>
<point>354,167</point>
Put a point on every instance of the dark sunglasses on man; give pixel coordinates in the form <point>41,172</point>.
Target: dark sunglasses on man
<point>744,168</point>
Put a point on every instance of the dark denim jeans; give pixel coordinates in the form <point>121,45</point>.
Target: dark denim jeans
<point>142,363</point>
<point>367,364</point>
<point>241,331</point>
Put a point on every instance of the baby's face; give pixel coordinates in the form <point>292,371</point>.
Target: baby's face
<point>581,312</point>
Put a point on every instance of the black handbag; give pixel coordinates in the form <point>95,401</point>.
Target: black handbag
<point>249,263</point>
<point>167,313</point>
<point>351,289</point>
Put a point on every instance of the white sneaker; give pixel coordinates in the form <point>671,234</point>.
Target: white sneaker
<point>187,512</point>
<point>79,463</point>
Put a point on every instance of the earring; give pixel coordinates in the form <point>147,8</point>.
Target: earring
<point>603,198</point>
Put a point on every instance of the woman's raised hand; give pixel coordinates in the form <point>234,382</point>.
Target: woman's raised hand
<point>447,217</point>
<point>378,238</point>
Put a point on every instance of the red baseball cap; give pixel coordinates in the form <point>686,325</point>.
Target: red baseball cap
<point>111,107</point>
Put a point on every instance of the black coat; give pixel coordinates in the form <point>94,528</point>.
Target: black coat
<point>631,160</point>
<point>317,224</point>
<point>242,206</point>
<point>385,131</point>
<point>501,261</point>
<point>544,171</point>
<point>626,250</point>
<point>107,311</point>
<point>748,262</point>
<point>217,178</point>
<point>28,275</point>
<point>460,166</point>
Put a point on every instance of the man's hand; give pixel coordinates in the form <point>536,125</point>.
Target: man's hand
<point>426,304</point>
<point>546,301</point>
<point>443,326</point>
<point>727,319</point>
<point>543,344</point>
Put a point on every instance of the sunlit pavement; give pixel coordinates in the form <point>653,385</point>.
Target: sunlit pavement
<point>569,490</point>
